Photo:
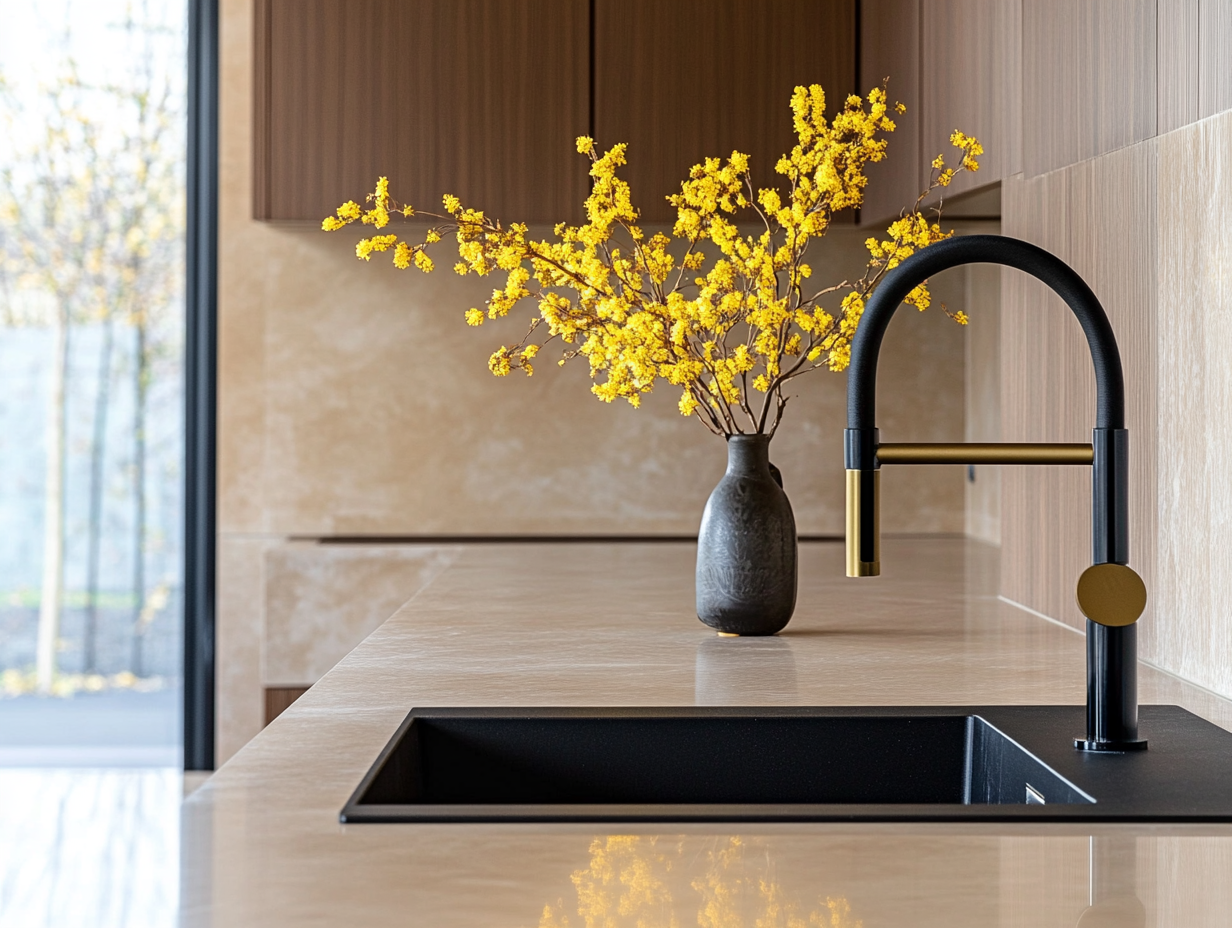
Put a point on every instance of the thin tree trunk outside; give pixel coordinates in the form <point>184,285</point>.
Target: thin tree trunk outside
<point>141,367</point>
<point>53,511</point>
<point>98,455</point>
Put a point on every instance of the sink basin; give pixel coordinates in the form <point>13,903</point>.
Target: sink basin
<point>773,764</point>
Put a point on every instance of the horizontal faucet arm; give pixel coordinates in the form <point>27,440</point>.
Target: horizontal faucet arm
<point>984,453</point>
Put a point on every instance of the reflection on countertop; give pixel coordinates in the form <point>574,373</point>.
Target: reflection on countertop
<point>714,881</point>
<point>96,847</point>
<point>612,624</point>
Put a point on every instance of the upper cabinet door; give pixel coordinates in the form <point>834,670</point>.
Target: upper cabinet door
<point>688,79</point>
<point>478,98</point>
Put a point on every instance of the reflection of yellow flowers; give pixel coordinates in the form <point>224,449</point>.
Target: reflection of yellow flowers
<point>644,308</point>
<point>627,885</point>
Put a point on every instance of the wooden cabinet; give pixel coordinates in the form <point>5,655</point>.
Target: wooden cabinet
<point>686,79</point>
<point>483,98</point>
<point>479,98</point>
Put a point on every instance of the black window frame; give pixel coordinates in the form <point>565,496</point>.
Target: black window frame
<point>200,385</point>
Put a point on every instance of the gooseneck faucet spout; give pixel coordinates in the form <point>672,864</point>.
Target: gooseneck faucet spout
<point>1110,594</point>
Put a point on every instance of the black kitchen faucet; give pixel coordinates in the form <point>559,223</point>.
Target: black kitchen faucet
<point>1110,594</point>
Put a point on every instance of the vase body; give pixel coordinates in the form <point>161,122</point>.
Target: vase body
<point>746,549</point>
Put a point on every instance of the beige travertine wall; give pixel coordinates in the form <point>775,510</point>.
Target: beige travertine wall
<point>353,400</point>
<point>1194,326</point>
<point>320,601</point>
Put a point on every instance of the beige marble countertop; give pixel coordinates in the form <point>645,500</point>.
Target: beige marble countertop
<point>612,624</point>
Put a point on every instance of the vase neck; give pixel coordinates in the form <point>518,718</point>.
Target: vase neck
<point>748,454</point>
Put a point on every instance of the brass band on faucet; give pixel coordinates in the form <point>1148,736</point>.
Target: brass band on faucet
<point>984,453</point>
<point>863,524</point>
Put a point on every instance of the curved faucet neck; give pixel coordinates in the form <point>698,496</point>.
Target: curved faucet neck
<point>984,249</point>
<point>1112,699</point>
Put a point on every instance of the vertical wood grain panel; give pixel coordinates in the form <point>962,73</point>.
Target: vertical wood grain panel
<point>983,403</point>
<point>691,79</point>
<point>1099,216</point>
<point>1177,37</point>
<point>1046,396</point>
<point>1214,57</point>
<point>968,81</point>
<point>1115,249</point>
<point>1011,39</point>
<point>1195,404</point>
<point>1089,79</point>
<point>439,95</point>
<point>890,48</point>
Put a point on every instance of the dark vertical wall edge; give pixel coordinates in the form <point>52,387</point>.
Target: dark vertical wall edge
<point>590,73</point>
<point>261,111</point>
<point>856,65</point>
<point>200,352</point>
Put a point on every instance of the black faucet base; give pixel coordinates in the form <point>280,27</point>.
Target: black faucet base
<point>1109,747</point>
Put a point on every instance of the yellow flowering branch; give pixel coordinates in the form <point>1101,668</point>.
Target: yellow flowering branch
<point>730,324</point>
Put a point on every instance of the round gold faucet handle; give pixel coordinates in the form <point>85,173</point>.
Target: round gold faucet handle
<point>1111,594</point>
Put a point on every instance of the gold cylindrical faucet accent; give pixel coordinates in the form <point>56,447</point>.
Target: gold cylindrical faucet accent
<point>863,523</point>
<point>984,453</point>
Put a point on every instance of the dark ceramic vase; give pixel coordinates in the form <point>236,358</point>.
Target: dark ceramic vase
<point>746,549</point>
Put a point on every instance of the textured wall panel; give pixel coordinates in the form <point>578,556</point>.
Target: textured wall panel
<point>1098,216</point>
<point>1116,253</point>
<point>1214,57</point>
<point>969,80</point>
<point>983,387</point>
<point>1046,396</point>
<point>1195,403</point>
<point>1088,79</point>
<point>1177,91</point>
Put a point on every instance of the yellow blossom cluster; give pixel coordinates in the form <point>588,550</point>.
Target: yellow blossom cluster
<point>721,308</point>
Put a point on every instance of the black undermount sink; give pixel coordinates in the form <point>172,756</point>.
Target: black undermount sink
<point>790,764</point>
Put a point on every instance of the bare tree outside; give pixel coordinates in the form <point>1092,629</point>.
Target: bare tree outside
<point>91,267</point>
<point>50,188</point>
